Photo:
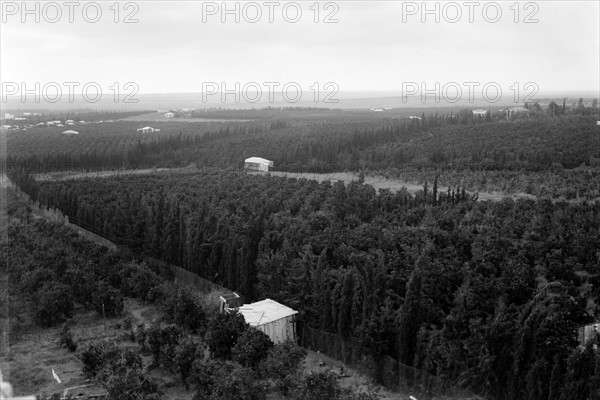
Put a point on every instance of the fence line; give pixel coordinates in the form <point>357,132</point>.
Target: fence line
<point>21,333</point>
<point>384,369</point>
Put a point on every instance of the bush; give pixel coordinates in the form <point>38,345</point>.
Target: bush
<point>65,338</point>
<point>162,342</point>
<point>282,364</point>
<point>204,376</point>
<point>251,347</point>
<point>318,385</point>
<point>240,384</point>
<point>185,310</point>
<point>53,304</point>
<point>142,281</point>
<point>160,293</point>
<point>217,380</point>
<point>96,356</point>
<point>186,352</point>
<point>107,300</point>
<point>223,332</point>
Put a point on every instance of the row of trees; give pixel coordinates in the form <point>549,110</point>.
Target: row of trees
<point>486,295</point>
<point>216,356</point>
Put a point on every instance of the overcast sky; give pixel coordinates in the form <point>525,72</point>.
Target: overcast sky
<point>171,50</point>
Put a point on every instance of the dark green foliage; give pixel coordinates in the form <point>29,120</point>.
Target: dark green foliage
<point>485,295</point>
<point>119,371</point>
<point>65,338</point>
<point>53,304</point>
<point>184,309</point>
<point>162,342</point>
<point>219,381</point>
<point>318,385</point>
<point>283,364</point>
<point>205,375</point>
<point>223,332</point>
<point>186,353</point>
<point>131,384</point>
<point>251,347</point>
<point>107,300</point>
<point>96,356</point>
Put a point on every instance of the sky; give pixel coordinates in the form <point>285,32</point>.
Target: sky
<point>366,46</point>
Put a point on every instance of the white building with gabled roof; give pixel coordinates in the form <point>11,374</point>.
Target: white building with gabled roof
<point>274,319</point>
<point>257,164</point>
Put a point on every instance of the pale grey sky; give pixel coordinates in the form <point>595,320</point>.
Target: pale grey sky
<point>371,48</point>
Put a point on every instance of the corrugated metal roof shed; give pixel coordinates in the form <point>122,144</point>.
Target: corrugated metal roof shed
<point>265,311</point>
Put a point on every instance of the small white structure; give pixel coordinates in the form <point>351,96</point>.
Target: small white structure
<point>257,164</point>
<point>479,112</point>
<point>169,115</point>
<point>69,122</point>
<point>229,301</point>
<point>70,132</point>
<point>588,332</point>
<point>274,319</point>
<point>147,129</point>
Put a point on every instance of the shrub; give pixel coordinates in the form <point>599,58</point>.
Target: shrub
<point>185,310</point>
<point>96,356</point>
<point>53,304</point>
<point>107,300</point>
<point>318,385</point>
<point>283,363</point>
<point>186,352</point>
<point>252,347</point>
<point>65,338</point>
<point>240,384</point>
<point>223,332</point>
<point>142,281</point>
<point>162,342</point>
<point>204,376</point>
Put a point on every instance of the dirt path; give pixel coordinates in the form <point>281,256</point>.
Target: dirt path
<point>380,182</point>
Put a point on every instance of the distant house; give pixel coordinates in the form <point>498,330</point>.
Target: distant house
<point>69,122</point>
<point>257,164</point>
<point>479,113</point>
<point>169,115</point>
<point>59,125</point>
<point>587,333</point>
<point>274,319</point>
<point>377,109</point>
<point>414,117</point>
<point>147,129</point>
<point>70,132</point>
<point>517,110</point>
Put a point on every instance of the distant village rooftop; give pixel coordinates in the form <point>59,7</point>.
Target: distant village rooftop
<point>257,164</point>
